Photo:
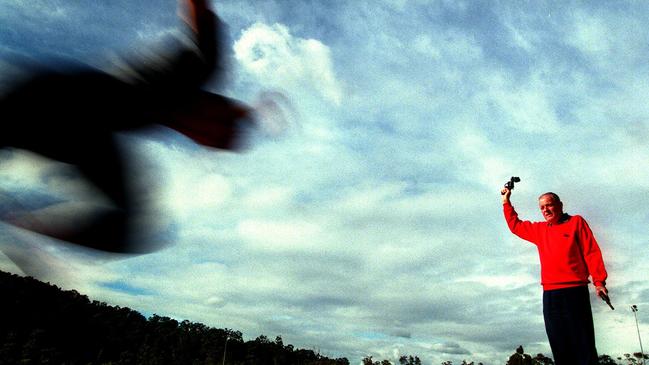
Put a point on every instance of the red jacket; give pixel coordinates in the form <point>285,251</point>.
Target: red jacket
<point>567,250</point>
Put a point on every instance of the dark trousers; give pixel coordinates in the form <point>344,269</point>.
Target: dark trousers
<point>569,325</point>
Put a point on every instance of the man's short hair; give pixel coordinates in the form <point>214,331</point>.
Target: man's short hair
<point>554,196</point>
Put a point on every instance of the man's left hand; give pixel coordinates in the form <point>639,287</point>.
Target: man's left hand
<point>601,291</point>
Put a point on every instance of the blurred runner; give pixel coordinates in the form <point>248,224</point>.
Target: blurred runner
<point>71,114</point>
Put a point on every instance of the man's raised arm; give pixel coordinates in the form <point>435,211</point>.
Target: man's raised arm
<point>523,229</point>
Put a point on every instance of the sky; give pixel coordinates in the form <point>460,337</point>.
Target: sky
<point>364,218</point>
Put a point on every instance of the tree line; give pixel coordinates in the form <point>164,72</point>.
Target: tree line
<point>43,324</point>
<point>519,357</point>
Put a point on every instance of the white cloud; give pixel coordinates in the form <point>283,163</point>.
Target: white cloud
<point>216,301</point>
<point>279,235</point>
<point>525,106</point>
<point>512,281</point>
<point>277,59</point>
<point>450,348</point>
<point>198,192</point>
<point>519,37</point>
<point>44,9</point>
<point>268,197</point>
<point>424,44</point>
<point>591,34</point>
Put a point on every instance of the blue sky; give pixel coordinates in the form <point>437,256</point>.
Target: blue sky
<point>371,225</point>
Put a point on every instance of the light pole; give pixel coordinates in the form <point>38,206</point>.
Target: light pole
<point>225,349</point>
<point>634,308</point>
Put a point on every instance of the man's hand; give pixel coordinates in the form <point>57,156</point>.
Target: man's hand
<point>506,193</point>
<point>602,292</point>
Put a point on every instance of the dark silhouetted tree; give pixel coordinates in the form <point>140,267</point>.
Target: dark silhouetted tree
<point>541,359</point>
<point>634,359</point>
<point>519,357</point>
<point>409,360</point>
<point>368,360</point>
<point>606,360</point>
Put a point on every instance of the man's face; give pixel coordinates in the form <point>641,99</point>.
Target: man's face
<point>551,209</point>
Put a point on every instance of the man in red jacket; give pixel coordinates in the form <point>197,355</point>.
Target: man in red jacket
<point>569,254</point>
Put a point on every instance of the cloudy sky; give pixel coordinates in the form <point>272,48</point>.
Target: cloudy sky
<point>371,224</point>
